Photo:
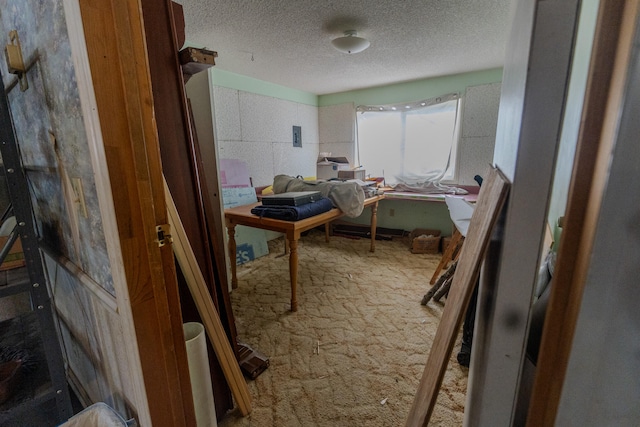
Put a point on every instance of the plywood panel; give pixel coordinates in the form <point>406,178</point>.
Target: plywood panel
<point>93,338</point>
<point>51,106</point>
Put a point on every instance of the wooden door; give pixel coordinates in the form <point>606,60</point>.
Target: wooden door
<point>124,120</point>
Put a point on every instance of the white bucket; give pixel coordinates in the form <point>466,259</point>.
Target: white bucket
<point>195,340</point>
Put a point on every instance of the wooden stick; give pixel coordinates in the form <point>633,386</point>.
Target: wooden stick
<point>204,303</point>
<point>490,200</point>
<point>447,256</point>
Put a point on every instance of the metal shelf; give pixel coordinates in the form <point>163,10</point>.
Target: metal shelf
<point>35,387</point>
<point>14,281</point>
<point>44,392</point>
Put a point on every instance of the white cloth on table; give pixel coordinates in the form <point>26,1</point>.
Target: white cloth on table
<point>461,212</point>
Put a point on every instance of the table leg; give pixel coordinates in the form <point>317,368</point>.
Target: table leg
<point>326,231</point>
<point>293,272</point>
<point>231,231</point>
<point>374,225</point>
<point>447,255</point>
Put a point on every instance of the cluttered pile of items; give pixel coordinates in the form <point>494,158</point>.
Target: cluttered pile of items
<point>338,169</point>
<point>336,185</point>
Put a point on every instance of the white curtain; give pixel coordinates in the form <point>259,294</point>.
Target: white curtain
<point>410,142</point>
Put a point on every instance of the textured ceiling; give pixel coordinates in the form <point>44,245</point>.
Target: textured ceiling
<point>288,42</point>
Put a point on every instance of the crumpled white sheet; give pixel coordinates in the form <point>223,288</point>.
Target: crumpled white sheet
<point>97,415</point>
<point>346,196</point>
<point>426,185</point>
<point>461,212</point>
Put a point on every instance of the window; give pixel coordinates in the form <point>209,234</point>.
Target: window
<point>410,142</point>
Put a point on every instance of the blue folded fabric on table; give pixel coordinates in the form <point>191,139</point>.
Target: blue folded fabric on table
<point>294,213</point>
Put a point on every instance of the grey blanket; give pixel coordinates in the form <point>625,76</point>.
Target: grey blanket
<point>346,196</point>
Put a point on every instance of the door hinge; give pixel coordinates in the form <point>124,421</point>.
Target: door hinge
<point>164,234</point>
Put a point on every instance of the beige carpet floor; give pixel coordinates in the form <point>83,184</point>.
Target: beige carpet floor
<point>354,352</point>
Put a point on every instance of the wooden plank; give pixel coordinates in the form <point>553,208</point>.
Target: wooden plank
<point>447,256</point>
<point>106,299</point>
<point>604,93</point>
<point>202,298</point>
<point>492,196</point>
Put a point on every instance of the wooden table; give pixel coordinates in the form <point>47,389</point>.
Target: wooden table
<point>242,215</point>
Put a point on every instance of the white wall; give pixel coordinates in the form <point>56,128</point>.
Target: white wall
<point>478,133</point>
<point>573,114</point>
<point>259,130</point>
<point>338,130</point>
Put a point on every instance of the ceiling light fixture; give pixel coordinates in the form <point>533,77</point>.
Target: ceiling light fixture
<point>350,42</point>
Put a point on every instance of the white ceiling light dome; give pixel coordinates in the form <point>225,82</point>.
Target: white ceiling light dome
<point>350,42</point>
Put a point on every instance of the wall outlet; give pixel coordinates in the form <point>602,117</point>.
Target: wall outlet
<point>297,136</point>
<point>392,212</point>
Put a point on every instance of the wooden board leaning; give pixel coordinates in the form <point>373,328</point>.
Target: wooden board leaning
<point>493,194</point>
<point>212,324</point>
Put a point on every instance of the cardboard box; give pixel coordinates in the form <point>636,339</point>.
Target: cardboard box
<point>352,174</point>
<point>328,167</point>
<point>15,257</point>
<point>424,241</point>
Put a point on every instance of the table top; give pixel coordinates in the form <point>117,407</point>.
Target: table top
<point>400,195</point>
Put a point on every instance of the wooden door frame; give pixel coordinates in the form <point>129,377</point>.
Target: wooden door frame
<point>116,81</point>
<point>605,93</point>
<point>534,91</point>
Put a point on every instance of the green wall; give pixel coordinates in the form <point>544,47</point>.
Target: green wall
<point>398,214</point>
<point>414,90</point>
<point>399,92</point>
<point>573,115</point>
<point>260,87</point>
<point>409,214</point>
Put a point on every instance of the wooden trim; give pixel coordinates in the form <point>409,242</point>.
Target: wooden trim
<point>78,388</point>
<point>604,92</point>
<point>204,302</point>
<point>107,300</point>
<point>116,48</point>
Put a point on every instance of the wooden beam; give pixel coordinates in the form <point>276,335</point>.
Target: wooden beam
<point>202,298</point>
